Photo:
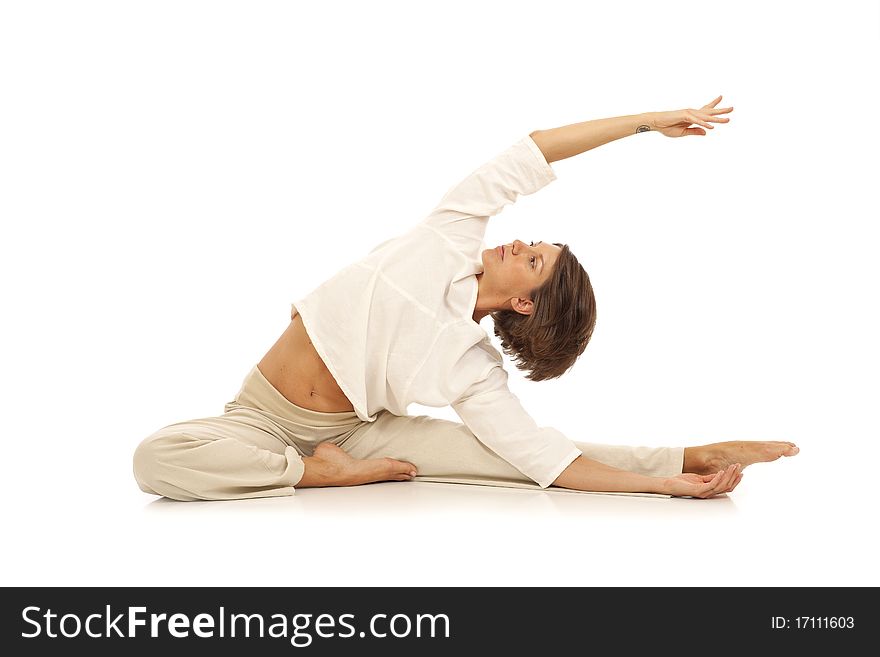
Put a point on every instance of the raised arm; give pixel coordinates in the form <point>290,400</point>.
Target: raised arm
<point>566,141</point>
<point>560,143</point>
<point>463,213</point>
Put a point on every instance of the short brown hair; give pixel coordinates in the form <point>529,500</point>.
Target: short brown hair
<point>548,342</point>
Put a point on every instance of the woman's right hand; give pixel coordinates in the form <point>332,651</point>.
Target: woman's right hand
<point>694,485</point>
<point>676,122</point>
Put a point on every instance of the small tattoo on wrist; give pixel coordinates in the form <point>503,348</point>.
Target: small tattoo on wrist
<point>643,128</point>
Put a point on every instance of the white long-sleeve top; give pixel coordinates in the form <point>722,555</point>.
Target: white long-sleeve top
<point>396,327</point>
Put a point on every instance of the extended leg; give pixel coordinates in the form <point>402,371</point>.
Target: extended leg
<point>449,451</point>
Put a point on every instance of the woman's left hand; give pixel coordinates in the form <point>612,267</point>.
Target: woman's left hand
<point>676,123</point>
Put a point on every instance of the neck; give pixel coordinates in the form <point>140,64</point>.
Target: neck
<point>483,306</point>
<point>480,314</point>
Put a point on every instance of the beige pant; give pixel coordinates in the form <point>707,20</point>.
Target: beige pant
<point>255,449</point>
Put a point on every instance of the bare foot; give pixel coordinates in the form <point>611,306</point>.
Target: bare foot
<point>709,459</point>
<point>331,466</point>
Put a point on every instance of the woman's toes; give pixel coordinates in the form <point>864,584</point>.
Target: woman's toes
<point>401,468</point>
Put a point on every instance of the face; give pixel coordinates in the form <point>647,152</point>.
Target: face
<point>510,276</point>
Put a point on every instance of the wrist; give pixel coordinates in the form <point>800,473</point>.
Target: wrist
<point>652,484</point>
<point>646,122</point>
<point>664,486</point>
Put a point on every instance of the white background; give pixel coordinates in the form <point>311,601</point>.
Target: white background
<point>174,174</point>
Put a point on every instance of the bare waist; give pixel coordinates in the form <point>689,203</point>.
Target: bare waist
<point>295,369</point>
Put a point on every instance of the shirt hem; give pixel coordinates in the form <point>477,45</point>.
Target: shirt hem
<point>316,343</point>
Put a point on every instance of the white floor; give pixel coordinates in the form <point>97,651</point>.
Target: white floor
<point>780,527</point>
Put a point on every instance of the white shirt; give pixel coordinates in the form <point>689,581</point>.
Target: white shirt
<point>397,326</point>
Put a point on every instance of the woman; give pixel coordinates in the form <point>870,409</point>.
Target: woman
<point>327,404</point>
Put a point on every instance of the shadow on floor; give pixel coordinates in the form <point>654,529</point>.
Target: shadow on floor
<point>408,498</point>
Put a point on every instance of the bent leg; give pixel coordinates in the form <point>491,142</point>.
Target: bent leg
<point>448,451</point>
<point>237,455</point>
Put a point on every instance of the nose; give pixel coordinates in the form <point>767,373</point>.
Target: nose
<point>517,246</point>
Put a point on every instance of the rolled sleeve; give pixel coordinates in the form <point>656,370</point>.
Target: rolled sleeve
<point>499,421</point>
<point>463,212</point>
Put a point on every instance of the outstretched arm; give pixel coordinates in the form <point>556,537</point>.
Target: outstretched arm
<point>544,455</point>
<point>560,143</point>
<point>589,475</point>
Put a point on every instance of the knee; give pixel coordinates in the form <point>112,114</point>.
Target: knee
<point>152,467</point>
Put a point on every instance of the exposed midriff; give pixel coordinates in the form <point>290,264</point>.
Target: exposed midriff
<point>295,369</point>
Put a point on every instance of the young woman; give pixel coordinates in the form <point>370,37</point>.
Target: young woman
<point>327,404</point>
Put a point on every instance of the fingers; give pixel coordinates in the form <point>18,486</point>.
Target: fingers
<point>704,117</point>
<point>721,481</point>
<point>707,489</point>
<point>690,116</point>
<point>736,481</point>
<point>712,115</point>
<point>734,473</point>
<point>727,478</point>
